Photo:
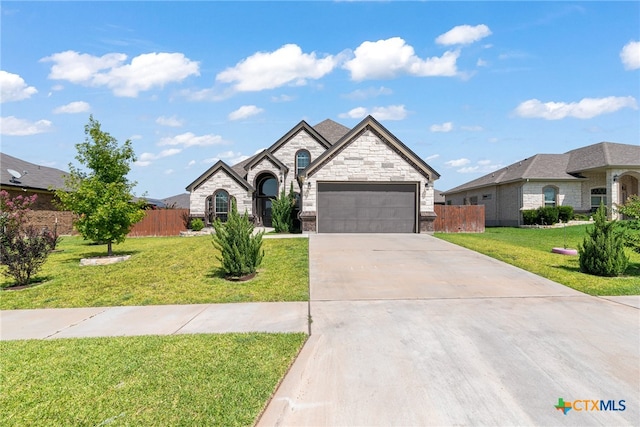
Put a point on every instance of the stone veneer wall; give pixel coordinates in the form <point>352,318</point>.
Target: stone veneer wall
<point>265,165</point>
<point>287,155</point>
<point>367,159</point>
<point>221,180</point>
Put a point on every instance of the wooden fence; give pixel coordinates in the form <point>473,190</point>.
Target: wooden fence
<point>161,222</point>
<point>459,219</point>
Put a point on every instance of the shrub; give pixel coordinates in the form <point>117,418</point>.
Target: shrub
<point>23,249</point>
<point>240,250</point>
<point>631,210</point>
<point>548,215</point>
<point>281,212</point>
<point>602,251</point>
<point>530,216</point>
<point>197,224</point>
<point>565,213</point>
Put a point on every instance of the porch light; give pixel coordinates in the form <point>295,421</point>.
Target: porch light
<point>308,184</point>
<point>615,178</point>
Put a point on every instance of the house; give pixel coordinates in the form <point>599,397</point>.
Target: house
<point>606,172</point>
<point>362,179</point>
<point>19,177</point>
<point>179,201</point>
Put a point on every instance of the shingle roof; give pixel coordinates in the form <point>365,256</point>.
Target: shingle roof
<point>565,166</point>
<point>603,154</point>
<point>37,177</point>
<point>331,130</point>
<point>179,201</point>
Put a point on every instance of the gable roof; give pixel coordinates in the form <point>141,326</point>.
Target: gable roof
<point>369,123</point>
<point>559,167</point>
<point>294,131</point>
<point>265,154</point>
<point>36,177</point>
<point>215,168</point>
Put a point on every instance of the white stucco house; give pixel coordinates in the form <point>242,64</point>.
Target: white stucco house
<point>362,179</point>
<point>606,172</point>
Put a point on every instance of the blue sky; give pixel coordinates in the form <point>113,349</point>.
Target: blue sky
<point>469,86</point>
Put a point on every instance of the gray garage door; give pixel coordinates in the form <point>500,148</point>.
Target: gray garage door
<point>366,207</point>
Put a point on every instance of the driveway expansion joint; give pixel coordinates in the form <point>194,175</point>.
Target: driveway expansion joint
<point>72,325</point>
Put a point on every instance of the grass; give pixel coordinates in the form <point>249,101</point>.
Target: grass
<point>161,270</point>
<point>174,380</point>
<point>530,249</point>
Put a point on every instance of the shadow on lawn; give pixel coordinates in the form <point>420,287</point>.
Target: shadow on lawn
<point>33,283</point>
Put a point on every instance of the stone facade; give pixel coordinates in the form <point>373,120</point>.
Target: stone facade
<point>221,180</point>
<point>286,153</point>
<point>374,155</point>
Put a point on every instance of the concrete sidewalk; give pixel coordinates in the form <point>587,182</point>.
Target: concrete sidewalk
<point>154,320</point>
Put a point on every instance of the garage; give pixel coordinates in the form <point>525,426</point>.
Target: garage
<point>380,207</point>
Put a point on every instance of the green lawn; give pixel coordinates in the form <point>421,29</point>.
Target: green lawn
<point>162,270</point>
<point>202,380</point>
<point>530,249</point>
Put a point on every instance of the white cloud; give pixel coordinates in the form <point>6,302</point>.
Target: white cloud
<point>444,127</point>
<point>145,159</point>
<point>481,63</point>
<point>188,139</point>
<point>244,112</point>
<point>464,34</point>
<point>392,112</point>
<point>371,92</point>
<point>19,127</point>
<point>630,55</point>
<point>73,108</point>
<point>14,88</point>
<point>482,166</point>
<point>229,157</point>
<point>385,59</point>
<point>585,109</point>
<point>191,163</point>
<point>168,171</point>
<point>143,73</point>
<point>457,163</point>
<point>432,157</point>
<point>269,70</point>
<point>172,121</point>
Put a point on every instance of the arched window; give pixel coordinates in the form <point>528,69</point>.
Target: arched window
<point>550,196</point>
<point>221,205</point>
<point>303,158</point>
<point>598,195</point>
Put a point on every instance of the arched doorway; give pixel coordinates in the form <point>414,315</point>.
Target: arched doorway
<point>267,186</point>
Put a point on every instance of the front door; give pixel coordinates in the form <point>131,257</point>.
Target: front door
<point>266,212</point>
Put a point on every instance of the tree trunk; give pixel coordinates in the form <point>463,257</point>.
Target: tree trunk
<point>109,250</point>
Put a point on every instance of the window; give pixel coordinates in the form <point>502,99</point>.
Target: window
<point>303,158</point>
<point>486,197</point>
<point>473,200</point>
<point>221,205</point>
<point>598,195</point>
<point>550,195</point>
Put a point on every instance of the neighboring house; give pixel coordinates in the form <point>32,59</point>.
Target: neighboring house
<point>346,180</point>
<point>606,172</point>
<point>438,197</point>
<point>179,201</point>
<point>19,177</point>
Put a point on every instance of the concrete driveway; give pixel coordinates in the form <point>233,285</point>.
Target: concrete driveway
<point>411,330</point>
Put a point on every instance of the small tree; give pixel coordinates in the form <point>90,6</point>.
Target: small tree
<point>631,210</point>
<point>602,250</point>
<point>23,249</point>
<point>240,249</point>
<point>102,198</point>
<point>281,211</point>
